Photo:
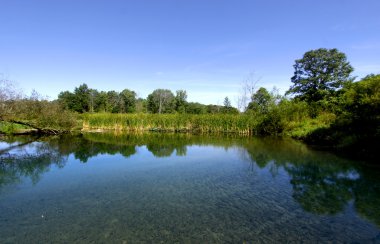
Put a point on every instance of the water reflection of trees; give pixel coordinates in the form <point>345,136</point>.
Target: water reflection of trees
<point>322,183</point>
<point>320,190</point>
<point>83,148</point>
<point>28,158</point>
<point>367,195</point>
<point>160,145</point>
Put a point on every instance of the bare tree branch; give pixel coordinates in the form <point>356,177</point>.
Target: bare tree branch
<point>248,88</point>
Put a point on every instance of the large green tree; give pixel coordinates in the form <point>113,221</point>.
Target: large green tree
<point>79,101</point>
<point>260,101</point>
<point>128,101</point>
<point>161,101</point>
<point>101,102</point>
<point>319,73</point>
<point>180,101</point>
<point>82,96</point>
<point>113,102</point>
<point>67,100</point>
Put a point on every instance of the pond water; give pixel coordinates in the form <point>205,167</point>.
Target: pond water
<point>179,188</point>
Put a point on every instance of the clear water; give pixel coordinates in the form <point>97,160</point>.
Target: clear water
<point>107,188</point>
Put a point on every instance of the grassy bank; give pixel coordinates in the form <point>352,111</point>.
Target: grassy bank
<point>245,124</point>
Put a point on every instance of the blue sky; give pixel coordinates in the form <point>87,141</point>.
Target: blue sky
<point>207,47</point>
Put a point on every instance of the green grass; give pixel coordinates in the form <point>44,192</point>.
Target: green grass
<point>216,123</point>
<point>243,124</point>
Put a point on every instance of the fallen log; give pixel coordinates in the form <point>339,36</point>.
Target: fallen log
<point>38,130</point>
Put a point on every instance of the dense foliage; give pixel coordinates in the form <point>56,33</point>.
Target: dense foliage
<point>357,123</point>
<point>161,101</point>
<point>85,99</point>
<point>319,73</point>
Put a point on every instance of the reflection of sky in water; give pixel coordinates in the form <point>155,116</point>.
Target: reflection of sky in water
<point>4,145</point>
<point>17,148</point>
<point>178,191</point>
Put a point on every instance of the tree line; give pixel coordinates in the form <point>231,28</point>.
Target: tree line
<point>85,99</point>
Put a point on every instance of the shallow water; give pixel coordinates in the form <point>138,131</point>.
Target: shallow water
<point>98,188</point>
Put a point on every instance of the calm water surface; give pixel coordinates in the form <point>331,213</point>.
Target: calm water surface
<point>107,188</point>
